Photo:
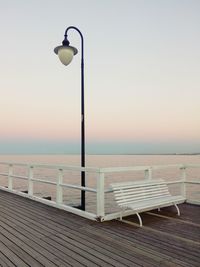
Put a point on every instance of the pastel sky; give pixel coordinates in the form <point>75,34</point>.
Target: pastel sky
<point>142,76</point>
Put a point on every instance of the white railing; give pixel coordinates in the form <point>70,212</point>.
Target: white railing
<point>100,190</point>
<point>58,183</point>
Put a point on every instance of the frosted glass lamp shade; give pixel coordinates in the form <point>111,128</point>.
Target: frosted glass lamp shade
<point>65,53</point>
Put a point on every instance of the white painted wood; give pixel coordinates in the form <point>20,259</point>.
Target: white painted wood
<point>149,195</point>
<point>4,174</point>
<point>192,182</point>
<point>59,189</point>
<point>56,167</point>
<point>136,184</point>
<point>100,195</point>
<point>97,170</point>
<point>43,181</point>
<point>30,182</point>
<point>130,199</point>
<point>192,165</point>
<point>10,178</point>
<point>19,177</point>
<point>183,177</point>
<point>116,215</point>
<point>146,182</point>
<point>137,189</point>
<point>141,168</point>
<point>148,174</point>
<point>78,187</point>
<point>167,166</point>
<point>124,169</point>
<point>174,182</point>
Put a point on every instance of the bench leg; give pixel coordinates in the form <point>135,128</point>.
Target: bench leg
<point>121,214</point>
<point>140,219</point>
<point>178,211</point>
<point>158,209</point>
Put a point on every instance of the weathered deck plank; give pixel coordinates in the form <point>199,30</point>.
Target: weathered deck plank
<point>32,234</point>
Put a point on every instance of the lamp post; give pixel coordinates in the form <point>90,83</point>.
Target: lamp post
<point>65,53</point>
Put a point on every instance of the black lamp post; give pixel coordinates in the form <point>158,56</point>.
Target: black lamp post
<point>65,53</point>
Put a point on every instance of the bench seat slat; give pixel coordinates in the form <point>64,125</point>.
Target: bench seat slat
<point>134,187</point>
<point>141,194</point>
<point>154,203</point>
<point>138,184</point>
<point>141,197</point>
<point>141,189</point>
<point>139,200</point>
<point>130,192</point>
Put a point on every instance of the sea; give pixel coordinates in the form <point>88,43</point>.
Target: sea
<point>72,196</point>
<point>104,160</point>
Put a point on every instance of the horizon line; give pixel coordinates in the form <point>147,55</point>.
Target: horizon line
<point>126,154</point>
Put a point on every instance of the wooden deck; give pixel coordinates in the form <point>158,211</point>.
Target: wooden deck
<point>32,234</point>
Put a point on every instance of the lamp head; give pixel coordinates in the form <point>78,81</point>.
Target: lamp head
<point>65,52</point>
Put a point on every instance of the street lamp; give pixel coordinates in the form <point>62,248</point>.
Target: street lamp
<point>65,53</point>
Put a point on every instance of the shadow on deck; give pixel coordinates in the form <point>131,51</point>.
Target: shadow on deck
<point>33,234</point>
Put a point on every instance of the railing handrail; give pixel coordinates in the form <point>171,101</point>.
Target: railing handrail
<point>147,167</point>
<point>101,170</point>
<point>53,166</point>
<point>140,168</point>
<point>192,165</point>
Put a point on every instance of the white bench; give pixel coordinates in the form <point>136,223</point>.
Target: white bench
<point>143,196</point>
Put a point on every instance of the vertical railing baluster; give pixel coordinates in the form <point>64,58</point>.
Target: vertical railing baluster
<point>30,182</point>
<point>148,174</point>
<point>183,178</point>
<point>100,196</point>
<point>59,189</point>
<point>10,178</point>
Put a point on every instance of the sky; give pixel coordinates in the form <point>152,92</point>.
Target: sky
<point>142,76</point>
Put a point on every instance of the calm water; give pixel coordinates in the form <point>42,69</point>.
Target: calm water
<point>105,160</point>
<point>72,197</point>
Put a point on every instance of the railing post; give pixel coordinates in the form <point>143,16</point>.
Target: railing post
<point>30,182</point>
<point>183,177</point>
<point>59,190</point>
<point>10,178</point>
<point>148,174</point>
<point>100,196</point>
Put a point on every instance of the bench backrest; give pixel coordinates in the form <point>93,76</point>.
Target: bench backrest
<point>130,192</point>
